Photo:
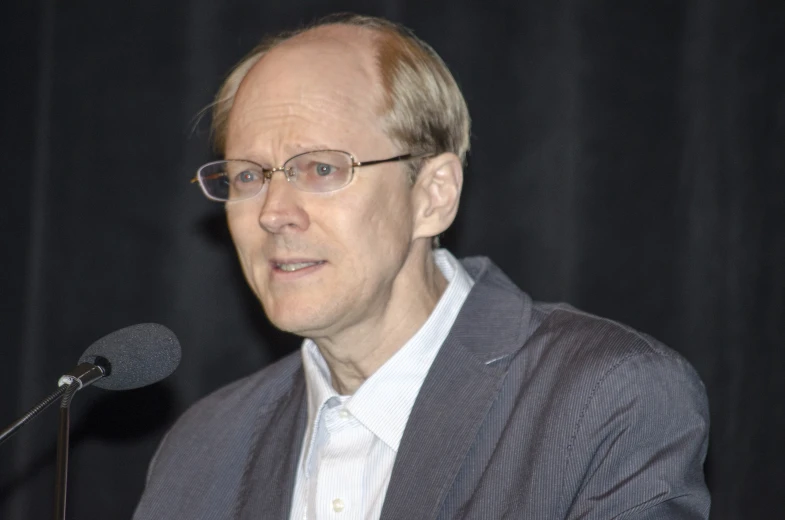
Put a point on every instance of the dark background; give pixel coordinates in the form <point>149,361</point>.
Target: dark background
<point>627,158</point>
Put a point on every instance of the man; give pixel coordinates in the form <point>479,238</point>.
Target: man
<point>426,387</point>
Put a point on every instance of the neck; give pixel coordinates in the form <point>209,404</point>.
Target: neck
<point>357,353</point>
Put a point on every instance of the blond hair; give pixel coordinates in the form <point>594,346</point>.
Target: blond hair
<point>423,110</point>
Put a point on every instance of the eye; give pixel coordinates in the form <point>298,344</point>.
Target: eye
<point>323,169</point>
<point>246,177</point>
<point>320,171</point>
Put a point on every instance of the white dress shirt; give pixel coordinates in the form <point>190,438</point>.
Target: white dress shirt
<point>351,441</point>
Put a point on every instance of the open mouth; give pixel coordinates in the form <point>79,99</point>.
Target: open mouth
<point>295,266</point>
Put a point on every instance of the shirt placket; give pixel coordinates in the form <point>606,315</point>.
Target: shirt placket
<point>341,467</point>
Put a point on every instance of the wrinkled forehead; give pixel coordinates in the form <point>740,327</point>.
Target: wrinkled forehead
<point>331,68</point>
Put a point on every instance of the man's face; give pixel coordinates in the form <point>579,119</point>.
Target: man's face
<point>321,264</point>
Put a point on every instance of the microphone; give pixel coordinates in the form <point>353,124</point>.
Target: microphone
<point>128,358</point>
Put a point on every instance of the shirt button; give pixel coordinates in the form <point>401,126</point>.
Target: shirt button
<point>338,505</point>
<point>343,414</point>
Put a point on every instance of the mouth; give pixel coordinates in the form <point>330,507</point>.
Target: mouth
<point>291,267</point>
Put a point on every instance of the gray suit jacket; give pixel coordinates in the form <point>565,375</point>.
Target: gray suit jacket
<point>529,411</point>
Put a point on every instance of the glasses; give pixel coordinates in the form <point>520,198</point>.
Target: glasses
<point>319,171</point>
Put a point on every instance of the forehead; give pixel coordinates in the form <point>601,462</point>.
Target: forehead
<point>324,78</point>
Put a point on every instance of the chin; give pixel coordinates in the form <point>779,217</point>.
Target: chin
<point>297,326</point>
<point>291,317</point>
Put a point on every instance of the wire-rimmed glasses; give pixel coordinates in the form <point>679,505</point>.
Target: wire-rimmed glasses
<point>319,171</point>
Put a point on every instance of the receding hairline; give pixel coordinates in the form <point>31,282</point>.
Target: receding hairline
<point>362,43</point>
<point>378,34</point>
<point>333,31</point>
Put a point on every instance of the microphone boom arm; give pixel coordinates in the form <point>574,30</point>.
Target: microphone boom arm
<point>40,407</point>
<point>83,375</point>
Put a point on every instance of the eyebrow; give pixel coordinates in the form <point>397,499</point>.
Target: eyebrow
<point>295,149</point>
<point>290,151</point>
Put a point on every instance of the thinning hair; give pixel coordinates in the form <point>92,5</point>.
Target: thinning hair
<point>422,109</point>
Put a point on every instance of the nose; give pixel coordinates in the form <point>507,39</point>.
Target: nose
<point>282,211</point>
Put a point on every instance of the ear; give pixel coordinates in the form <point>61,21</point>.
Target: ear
<point>436,193</point>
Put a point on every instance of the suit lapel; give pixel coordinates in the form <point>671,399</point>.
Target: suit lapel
<point>269,474</point>
<point>460,388</point>
<point>431,453</point>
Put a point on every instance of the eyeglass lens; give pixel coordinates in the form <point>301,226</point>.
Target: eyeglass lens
<point>319,171</point>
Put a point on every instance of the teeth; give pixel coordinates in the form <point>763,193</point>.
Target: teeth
<point>294,267</point>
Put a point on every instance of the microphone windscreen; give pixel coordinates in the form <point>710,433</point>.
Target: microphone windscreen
<point>137,356</point>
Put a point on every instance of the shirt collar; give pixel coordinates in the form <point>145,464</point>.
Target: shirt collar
<point>385,400</point>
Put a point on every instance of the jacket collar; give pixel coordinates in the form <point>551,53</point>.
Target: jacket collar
<point>468,372</point>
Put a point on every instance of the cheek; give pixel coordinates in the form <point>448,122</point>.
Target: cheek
<point>244,229</point>
<point>384,222</point>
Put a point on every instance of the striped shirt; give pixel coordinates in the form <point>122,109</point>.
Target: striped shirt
<point>351,441</point>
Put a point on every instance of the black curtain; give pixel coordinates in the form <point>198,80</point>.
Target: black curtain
<point>627,158</point>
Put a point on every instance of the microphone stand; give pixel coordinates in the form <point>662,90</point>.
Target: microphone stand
<point>40,407</point>
<point>84,374</point>
<point>61,480</point>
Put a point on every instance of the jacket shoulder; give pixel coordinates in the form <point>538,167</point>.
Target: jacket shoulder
<point>583,336</point>
<point>256,392</point>
<point>199,465</point>
<point>629,414</point>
